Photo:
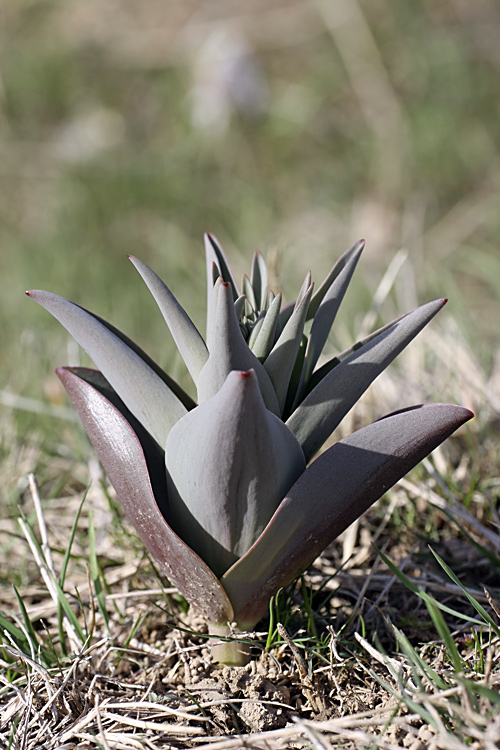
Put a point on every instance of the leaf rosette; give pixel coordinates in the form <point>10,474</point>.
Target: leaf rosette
<point>225,491</point>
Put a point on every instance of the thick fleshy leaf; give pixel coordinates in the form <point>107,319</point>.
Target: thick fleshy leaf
<point>215,254</point>
<point>259,280</point>
<point>326,303</point>
<point>285,313</point>
<point>213,292</point>
<point>135,467</point>
<point>335,490</point>
<point>97,380</point>
<point>281,360</point>
<point>239,306</point>
<point>230,462</point>
<point>217,267</point>
<point>146,395</point>
<point>249,294</point>
<point>181,394</point>
<point>256,329</point>
<point>184,332</point>
<point>326,405</point>
<point>266,336</point>
<point>229,351</point>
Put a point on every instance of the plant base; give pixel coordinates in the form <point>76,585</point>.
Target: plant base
<point>231,652</point>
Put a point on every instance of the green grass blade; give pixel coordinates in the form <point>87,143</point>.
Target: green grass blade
<point>478,607</point>
<point>420,664</point>
<point>273,608</point>
<point>61,596</point>
<point>16,633</point>
<point>445,635</point>
<point>422,594</point>
<point>67,554</point>
<point>30,631</point>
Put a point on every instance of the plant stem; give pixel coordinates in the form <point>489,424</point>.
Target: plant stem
<point>232,652</point>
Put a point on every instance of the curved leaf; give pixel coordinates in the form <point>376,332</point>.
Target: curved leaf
<point>146,395</point>
<point>335,490</point>
<point>135,467</point>
<point>184,332</point>
<point>230,462</point>
<point>229,351</point>
<point>326,405</point>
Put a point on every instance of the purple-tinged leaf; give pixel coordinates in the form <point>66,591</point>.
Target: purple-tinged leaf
<point>184,332</point>
<point>146,395</point>
<point>314,420</point>
<point>135,468</point>
<point>305,289</point>
<point>229,351</point>
<point>167,379</point>
<point>231,462</point>
<point>285,314</point>
<point>332,493</point>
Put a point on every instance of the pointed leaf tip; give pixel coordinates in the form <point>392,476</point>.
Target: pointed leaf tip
<point>122,363</point>
<point>328,402</point>
<point>187,338</point>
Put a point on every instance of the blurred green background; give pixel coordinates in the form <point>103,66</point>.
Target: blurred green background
<point>291,127</point>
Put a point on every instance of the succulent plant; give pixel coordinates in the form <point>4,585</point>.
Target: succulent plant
<point>223,491</point>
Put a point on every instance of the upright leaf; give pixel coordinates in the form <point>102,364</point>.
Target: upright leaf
<point>349,258</point>
<point>266,336</point>
<point>326,302</point>
<point>259,280</point>
<point>229,351</point>
<point>215,254</point>
<point>280,362</point>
